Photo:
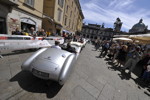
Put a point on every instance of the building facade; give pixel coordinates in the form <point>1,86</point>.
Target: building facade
<point>62,15</point>
<point>73,16</point>
<point>5,8</point>
<point>94,31</point>
<point>53,15</point>
<point>23,14</point>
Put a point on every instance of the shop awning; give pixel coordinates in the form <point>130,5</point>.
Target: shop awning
<point>66,31</point>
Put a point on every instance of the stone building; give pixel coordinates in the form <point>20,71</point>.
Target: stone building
<point>6,8</point>
<point>94,31</point>
<point>62,15</point>
<point>22,14</point>
<point>53,11</point>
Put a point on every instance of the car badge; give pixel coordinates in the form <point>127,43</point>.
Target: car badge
<point>64,56</point>
<point>49,58</point>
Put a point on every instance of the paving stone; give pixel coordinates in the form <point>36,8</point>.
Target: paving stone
<point>5,72</point>
<point>4,60</point>
<point>101,79</point>
<point>143,97</point>
<point>120,95</point>
<point>101,97</point>
<point>132,96</point>
<point>13,59</point>
<point>96,84</point>
<point>82,74</point>
<point>27,96</point>
<point>108,91</point>
<point>90,88</point>
<point>17,95</point>
<point>81,94</point>
<point>15,68</point>
<point>8,89</point>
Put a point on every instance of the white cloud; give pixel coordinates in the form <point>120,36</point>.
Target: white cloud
<point>96,13</point>
<point>119,4</point>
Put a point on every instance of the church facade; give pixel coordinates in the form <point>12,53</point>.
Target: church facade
<point>139,28</point>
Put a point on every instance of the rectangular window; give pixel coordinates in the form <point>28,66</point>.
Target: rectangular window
<point>29,3</point>
<point>65,20</point>
<point>83,30</point>
<point>61,3</point>
<point>70,23</point>
<point>90,31</point>
<point>59,14</point>
<point>67,9</point>
<point>71,14</point>
<point>72,3</point>
<point>75,9</point>
<point>87,30</point>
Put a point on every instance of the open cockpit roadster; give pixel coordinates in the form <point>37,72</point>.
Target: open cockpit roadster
<point>52,63</point>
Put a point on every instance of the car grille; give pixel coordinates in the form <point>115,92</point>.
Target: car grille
<point>39,73</point>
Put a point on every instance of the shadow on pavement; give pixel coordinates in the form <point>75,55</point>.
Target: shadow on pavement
<point>33,84</point>
<point>148,94</point>
<point>125,76</point>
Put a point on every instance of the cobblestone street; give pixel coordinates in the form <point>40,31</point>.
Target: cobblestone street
<point>92,79</point>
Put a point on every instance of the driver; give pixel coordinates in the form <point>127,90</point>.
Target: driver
<point>57,43</point>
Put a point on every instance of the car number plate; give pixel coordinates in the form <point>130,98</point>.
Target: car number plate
<point>39,73</point>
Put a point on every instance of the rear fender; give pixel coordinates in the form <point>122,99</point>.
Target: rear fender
<point>67,67</point>
<point>27,64</point>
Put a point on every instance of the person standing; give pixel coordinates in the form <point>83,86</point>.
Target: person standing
<point>32,32</point>
<point>131,63</point>
<point>16,32</point>
<point>42,33</point>
<point>105,48</point>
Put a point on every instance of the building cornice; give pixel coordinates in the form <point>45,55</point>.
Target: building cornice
<point>79,7</point>
<point>29,13</point>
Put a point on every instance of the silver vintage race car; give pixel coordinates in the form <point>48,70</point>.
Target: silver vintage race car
<point>51,64</point>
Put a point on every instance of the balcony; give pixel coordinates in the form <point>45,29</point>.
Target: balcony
<point>10,2</point>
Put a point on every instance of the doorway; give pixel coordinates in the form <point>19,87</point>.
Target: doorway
<point>2,25</point>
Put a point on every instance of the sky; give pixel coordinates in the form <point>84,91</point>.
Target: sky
<point>106,11</point>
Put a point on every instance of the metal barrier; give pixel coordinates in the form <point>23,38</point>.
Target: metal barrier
<point>15,42</point>
<point>19,42</point>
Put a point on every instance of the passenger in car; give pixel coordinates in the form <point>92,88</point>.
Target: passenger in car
<point>70,49</point>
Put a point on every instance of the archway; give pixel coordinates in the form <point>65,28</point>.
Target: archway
<point>27,23</point>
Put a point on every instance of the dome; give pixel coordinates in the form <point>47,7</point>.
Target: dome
<point>139,27</point>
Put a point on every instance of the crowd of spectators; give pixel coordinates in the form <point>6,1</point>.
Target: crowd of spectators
<point>31,32</point>
<point>126,55</point>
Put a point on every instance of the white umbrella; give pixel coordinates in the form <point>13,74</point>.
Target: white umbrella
<point>143,38</point>
<point>123,39</point>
